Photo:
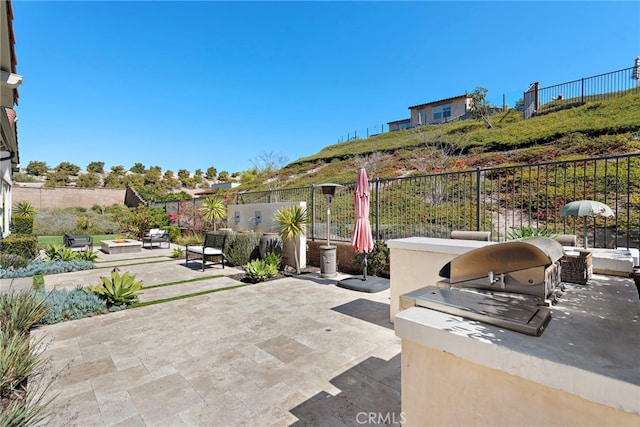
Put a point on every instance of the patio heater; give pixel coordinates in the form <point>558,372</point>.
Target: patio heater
<point>328,252</point>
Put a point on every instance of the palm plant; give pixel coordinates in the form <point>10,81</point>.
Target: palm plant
<point>291,222</point>
<point>24,208</point>
<point>213,208</point>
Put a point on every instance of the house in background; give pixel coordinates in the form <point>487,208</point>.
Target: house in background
<point>9,82</point>
<point>441,111</point>
<point>399,124</point>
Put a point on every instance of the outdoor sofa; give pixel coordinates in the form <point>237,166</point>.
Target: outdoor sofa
<point>156,235</point>
<point>77,240</point>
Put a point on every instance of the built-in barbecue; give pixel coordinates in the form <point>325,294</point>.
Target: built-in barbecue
<point>510,284</point>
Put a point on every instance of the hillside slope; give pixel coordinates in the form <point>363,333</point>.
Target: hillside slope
<point>594,129</point>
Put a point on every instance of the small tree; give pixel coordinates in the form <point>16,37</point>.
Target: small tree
<point>37,168</point>
<point>68,168</point>
<point>480,107</point>
<point>137,168</point>
<point>211,173</point>
<point>291,222</point>
<point>88,180</point>
<point>117,170</point>
<point>57,179</point>
<point>519,105</point>
<point>212,209</point>
<point>95,167</point>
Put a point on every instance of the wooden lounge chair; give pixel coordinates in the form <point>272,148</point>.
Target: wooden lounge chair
<point>213,246</point>
<point>156,235</point>
<point>77,240</point>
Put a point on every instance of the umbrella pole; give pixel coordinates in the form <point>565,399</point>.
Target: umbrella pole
<point>364,269</point>
<point>584,231</point>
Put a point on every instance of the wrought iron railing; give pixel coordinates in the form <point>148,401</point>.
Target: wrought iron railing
<point>499,200</point>
<point>577,92</point>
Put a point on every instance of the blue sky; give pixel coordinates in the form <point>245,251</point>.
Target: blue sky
<point>188,85</point>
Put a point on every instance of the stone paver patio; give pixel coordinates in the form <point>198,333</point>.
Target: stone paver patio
<point>296,351</point>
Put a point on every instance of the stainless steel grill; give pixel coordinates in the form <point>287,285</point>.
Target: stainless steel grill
<point>509,284</point>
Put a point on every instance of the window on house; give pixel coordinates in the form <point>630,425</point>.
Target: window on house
<point>421,116</point>
<point>441,111</point>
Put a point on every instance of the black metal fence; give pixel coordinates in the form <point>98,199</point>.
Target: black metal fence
<point>571,94</point>
<point>499,200</point>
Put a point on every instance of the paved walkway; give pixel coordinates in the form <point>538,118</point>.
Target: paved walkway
<point>296,351</point>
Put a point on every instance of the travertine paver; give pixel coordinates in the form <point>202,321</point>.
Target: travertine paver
<point>292,351</point>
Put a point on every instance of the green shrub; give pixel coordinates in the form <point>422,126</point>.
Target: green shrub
<point>77,303</point>
<point>242,247</point>
<point>119,289</point>
<point>22,224</point>
<point>19,311</point>
<point>38,282</point>
<point>12,261</point>
<point>524,231</point>
<point>21,363</point>
<point>56,222</point>
<point>25,246</point>
<point>177,253</point>
<point>19,358</point>
<point>377,259</point>
<point>174,232</point>
<point>29,410</point>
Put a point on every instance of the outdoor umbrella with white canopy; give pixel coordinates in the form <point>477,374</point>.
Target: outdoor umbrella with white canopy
<point>362,239</point>
<point>585,208</point>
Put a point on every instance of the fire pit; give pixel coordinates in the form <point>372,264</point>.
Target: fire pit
<point>120,246</point>
<point>509,284</point>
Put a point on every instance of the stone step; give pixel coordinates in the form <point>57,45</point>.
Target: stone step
<point>181,289</point>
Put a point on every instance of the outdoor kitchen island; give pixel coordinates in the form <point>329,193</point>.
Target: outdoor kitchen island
<point>583,370</point>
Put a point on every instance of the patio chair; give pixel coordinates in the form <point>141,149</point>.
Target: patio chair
<point>77,240</point>
<point>156,235</point>
<point>213,246</point>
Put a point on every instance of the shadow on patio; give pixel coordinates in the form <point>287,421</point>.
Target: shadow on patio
<point>370,394</point>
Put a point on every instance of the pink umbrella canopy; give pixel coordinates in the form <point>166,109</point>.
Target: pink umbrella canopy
<point>362,240</point>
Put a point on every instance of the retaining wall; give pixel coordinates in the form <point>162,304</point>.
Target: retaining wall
<point>59,197</point>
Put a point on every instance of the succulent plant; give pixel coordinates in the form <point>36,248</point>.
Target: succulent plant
<point>119,289</point>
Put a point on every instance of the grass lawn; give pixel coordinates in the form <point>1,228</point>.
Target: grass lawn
<point>44,241</point>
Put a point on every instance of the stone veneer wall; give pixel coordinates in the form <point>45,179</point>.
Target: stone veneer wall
<point>45,197</point>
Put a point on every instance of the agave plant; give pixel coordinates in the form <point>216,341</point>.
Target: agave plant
<point>258,270</point>
<point>87,255</point>
<point>119,289</point>
<point>59,253</point>
<point>273,258</point>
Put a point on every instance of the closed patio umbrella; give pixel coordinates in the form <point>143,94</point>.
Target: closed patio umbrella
<point>585,208</point>
<point>362,239</point>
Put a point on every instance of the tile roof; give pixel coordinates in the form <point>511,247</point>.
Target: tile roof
<point>440,100</point>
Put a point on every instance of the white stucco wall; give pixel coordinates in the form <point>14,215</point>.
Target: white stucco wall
<point>243,218</point>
